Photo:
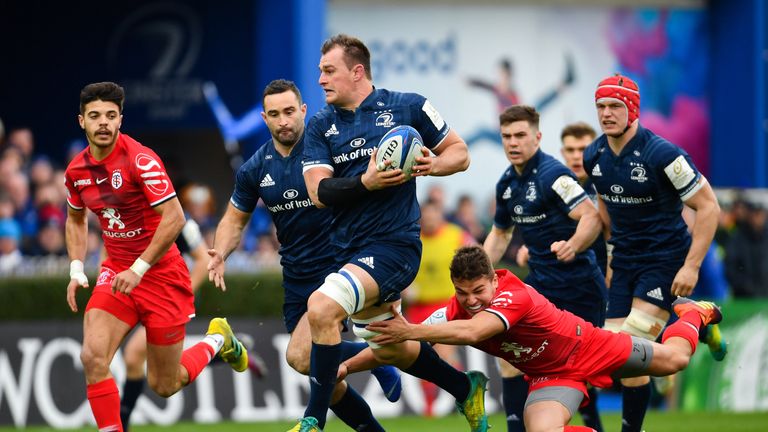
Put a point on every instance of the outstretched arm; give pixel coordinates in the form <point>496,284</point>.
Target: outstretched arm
<point>229,232</point>
<point>460,332</point>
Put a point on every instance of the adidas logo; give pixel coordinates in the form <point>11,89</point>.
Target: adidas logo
<point>332,131</point>
<point>367,261</point>
<point>656,294</point>
<point>513,417</point>
<point>596,171</point>
<point>267,181</point>
<point>507,194</point>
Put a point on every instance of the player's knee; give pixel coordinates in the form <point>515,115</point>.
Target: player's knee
<point>340,290</point>
<point>163,387</point>
<point>677,361</point>
<point>643,324</point>
<point>94,362</point>
<point>298,360</point>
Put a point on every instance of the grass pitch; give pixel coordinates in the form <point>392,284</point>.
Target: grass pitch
<point>655,421</point>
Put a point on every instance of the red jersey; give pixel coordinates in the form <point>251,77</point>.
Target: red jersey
<point>541,339</point>
<point>122,190</point>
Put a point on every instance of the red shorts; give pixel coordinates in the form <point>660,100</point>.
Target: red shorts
<point>162,300</point>
<point>418,312</point>
<point>594,363</point>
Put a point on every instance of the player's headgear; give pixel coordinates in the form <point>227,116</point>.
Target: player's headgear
<point>622,89</point>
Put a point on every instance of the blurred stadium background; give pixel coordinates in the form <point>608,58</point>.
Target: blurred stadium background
<point>194,72</point>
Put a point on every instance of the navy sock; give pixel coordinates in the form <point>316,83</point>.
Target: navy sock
<point>350,349</point>
<point>323,367</point>
<point>589,413</point>
<point>634,402</point>
<point>131,391</point>
<point>429,366</point>
<point>514,393</point>
<point>355,412</point>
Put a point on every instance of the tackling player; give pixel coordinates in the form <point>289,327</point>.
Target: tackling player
<point>375,225</point>
<point>558,223</point>
<point>144,278</point>
<point>559,352</point>
<point>643,181</point>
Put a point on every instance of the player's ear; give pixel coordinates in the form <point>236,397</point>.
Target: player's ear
<point>495,281</point>
<point>81,121</point>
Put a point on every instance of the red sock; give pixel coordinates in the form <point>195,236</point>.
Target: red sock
<point>687,327</point>
<point>578,429</point>
<point>105,404</point>
<point>196,358</point>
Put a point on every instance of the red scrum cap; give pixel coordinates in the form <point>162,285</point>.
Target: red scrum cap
<point>622,89</point>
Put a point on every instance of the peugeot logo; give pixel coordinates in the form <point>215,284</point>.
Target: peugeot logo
<point>357,142</point>
<point>617,189</point>
<point>290,194</point>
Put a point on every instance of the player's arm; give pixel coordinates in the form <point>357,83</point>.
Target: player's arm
<point>199,265</point>
<point>171,223</point>
<point>326,190</point>
<point>587,229</point>
<point>707,209</point>
<point>229,232</point>
<point>496,242</point>
<point>76,238</point>
<point>605,218</point>
<point>460,332</point>
<point>452,157</point>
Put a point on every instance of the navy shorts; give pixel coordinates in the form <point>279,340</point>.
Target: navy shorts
<point>591,311</point>
<point>588,298</point>
<point>392,264</point>
<point>647,280</point>
<point>297,292</point>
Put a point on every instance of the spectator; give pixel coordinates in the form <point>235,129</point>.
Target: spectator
<point>746,260</point>
<point>22,139</point>
<point>466,217</point>
<point>10,255</point>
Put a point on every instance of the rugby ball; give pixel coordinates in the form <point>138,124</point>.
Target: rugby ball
<point>401,145</point>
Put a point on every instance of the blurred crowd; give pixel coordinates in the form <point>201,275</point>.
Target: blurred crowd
<point>33,213</point>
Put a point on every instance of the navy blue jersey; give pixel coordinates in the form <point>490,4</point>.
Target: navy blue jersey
<point>538,202</point>
<point>598,247</point>
<point>302,229</point>
<point>643,189</point>
<point>343,142</point>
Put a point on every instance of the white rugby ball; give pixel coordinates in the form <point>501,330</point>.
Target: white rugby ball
<point>401,145</point>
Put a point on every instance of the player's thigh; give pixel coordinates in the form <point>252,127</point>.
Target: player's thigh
<point>506,370</point>
<point>622,288</point>
<point>102,335</point>
<point>654,282</point>
<point>387,268</point>
<point>545,415</point>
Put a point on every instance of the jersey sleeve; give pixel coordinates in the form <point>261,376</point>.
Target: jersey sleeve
<point>563,190</point>
<point>428,121</point>
<point>246,193</point>
<point>73,197</point>
<point>317,151</point>
<point>510,306</point>
<point>680,171</point>
<point>501,219</point>
<point>190,237</point>
<point>152,178</point>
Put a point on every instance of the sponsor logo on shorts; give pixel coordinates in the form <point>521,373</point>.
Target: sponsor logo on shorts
<point>367,261</point>
<point>655,294</point>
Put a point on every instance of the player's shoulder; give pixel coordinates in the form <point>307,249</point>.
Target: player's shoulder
<point>548,166</point>
<point>78,161</point>
<point>657,148</point>
<point>384,99</point>
<point>322,119</point>
<point>595,148</point>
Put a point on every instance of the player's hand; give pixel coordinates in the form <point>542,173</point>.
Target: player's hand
<point>125,282</point>
<point>342,373</point>
<point>74,284</point>
<point>564,250</point>
<point>216,269</point>
<point>685,280</point>
<point>375,178</point>
<point>393,331</point>
<point>521,257</point>
<point>425,164</point>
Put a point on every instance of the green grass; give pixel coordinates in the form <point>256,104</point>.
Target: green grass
<point>655,421</point>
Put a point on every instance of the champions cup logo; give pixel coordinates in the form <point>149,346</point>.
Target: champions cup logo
<point>153,175</point>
